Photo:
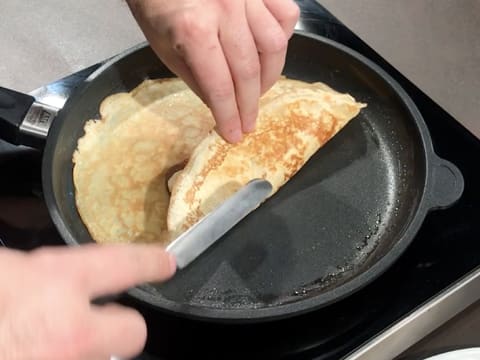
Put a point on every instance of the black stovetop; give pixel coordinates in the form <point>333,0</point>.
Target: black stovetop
<point>445,249</point>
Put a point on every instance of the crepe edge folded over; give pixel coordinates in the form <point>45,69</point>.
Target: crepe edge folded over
<point>120,163</point>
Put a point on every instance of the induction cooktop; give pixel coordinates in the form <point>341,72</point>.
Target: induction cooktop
<point>440,271</point>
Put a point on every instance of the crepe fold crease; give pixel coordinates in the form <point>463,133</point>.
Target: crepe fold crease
<point>124,188</point>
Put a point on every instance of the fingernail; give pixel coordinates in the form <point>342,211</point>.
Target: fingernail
<point>249,121</point>
<point>172,262</point>
<point>249,127</point>
<point>235,136</point>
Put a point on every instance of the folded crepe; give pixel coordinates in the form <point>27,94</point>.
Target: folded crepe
<point>122,163</point>
<point>295,120</point>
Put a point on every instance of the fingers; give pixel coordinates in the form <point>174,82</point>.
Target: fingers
<point>286,12</point>
<point>272,67</point>
<point>243,60</point>
<point>118,267</point>
<point>271,42</point>
<point>269,34</point>
<point>106,269</point>
<point>118,331</point>
<point>228,52</point>
<point>212,74</point>
<point>199,46</point>
<point>176,64</point>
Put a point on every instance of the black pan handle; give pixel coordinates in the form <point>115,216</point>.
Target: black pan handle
<point>13,108</point>
<point>447,184</point>
<point>23,121</point>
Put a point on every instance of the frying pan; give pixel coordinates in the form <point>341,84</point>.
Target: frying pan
<point>338,224</point>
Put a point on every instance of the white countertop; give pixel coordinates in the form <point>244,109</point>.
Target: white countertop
<point>43,40</point>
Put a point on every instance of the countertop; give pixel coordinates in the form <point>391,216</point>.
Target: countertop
<point>435,43</point>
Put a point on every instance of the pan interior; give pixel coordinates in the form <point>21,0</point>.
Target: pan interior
<point>346,209</point>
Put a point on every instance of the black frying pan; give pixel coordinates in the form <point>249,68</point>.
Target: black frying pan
<point>337,225</point>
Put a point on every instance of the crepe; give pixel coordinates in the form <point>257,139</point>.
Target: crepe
<point>295,120</point>
<point>122,161</point>
<point>160,138</point>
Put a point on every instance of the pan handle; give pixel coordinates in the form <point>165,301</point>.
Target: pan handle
<point>447,184</point>
<point>24,121</point>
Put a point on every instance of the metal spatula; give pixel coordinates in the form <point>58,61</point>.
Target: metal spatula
<point>189,245</point>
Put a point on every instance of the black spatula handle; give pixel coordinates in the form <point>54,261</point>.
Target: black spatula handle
<point>13,108</point>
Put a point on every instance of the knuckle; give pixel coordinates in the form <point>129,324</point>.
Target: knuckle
<point>221,92</point>
<point>226,5</point>
<point>250,70</point>
<point>278,42</point>
<point>292,10</point>
<point>186,28</point>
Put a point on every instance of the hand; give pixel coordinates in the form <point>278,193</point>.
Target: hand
<point>45,300</point>
<point>228,51</point>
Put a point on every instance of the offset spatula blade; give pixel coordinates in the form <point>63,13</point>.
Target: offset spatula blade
<point>189,245</point>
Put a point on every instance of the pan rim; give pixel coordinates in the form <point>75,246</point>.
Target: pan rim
<point>279,311</point>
